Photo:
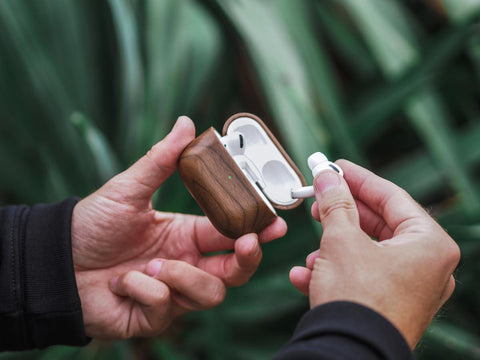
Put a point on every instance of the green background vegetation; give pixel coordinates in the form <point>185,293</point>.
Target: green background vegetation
<point>86,87</point>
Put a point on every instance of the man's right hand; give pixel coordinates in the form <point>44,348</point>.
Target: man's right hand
<point>406,276</point>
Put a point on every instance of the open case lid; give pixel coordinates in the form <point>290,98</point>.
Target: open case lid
<point>268,163</point>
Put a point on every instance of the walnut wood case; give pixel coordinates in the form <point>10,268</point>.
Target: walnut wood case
<point>234,203</point>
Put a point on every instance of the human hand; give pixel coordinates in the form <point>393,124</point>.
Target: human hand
<point>406,276</point>
<point>138,268</point>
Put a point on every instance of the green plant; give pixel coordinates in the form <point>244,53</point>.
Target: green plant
<point>88,86</point>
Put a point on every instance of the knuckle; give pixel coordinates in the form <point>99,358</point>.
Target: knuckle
<point>401,192</point>
<point>379,227</point>
<point>238,276</point>
<point>337,233</point>
<point>217,293</point>
<point>317,264</point>
<point>449,289</point>
<point>154,151</point>
<point>233,280</point>
<point>249,267</point>
<point>330,206</point>
<point>453,252</point>
<point>342,162</point>
<point>451,286</point>
<point>128,278</point>
<point>174,269</point>
<point>155,155</point>
<point>310,259</point>
<point>162,295</point>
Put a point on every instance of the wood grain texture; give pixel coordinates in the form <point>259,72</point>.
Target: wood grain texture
<point>221,189</point>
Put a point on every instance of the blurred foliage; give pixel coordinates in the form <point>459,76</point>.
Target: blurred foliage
<point>86,87</point>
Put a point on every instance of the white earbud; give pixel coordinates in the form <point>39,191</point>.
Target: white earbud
<point>234,143</point>
<point>317,162</point>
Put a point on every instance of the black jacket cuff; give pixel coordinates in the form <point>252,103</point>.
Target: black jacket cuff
<point>45,307</point>
<point>345,330</point>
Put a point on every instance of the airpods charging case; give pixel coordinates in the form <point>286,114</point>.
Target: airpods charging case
<point>239,189</point>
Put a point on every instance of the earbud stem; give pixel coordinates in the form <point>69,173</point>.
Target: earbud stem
<point>303,192</point>
<point>317,162</point>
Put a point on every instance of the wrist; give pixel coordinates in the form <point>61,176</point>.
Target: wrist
<point>75,235</point>
<point>80,238</point>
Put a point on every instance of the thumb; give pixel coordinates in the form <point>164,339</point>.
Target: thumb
<point>149,172</point>
<point>336,206</point>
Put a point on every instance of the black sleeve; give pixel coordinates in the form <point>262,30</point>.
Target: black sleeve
<point>39,302</point>
<point>345,330</point>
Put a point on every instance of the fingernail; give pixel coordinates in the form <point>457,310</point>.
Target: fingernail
<point>153,267</point>
<point>113,282</point>
<point>326,180</point>
<point>181,120</point>
<point>311,259</point>
<point>253,244</point>
<point>256,251</point>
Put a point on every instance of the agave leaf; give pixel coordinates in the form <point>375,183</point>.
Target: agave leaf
<point>18,24</point>
<point>394,46</point>
<point>106,162</point>
<point>17,173</point>
<point>405,172</point>
<point>322,75</point>
<point>183,45</point>
<point>430,118</point>
<point>73,54</point>
<point>23,355</point>
<point>59,353</point>
<point>57,185</point>
<point>461,10</point>
<point>463,343</point>
<point>162,349</point>
<point>384,23</point>
<point>474,53</point>
<point>132,78</point>
<point>345,39</point>
<point>42,80</point>
<point>286,86</point>
<point>468,238</point>
<point>376,107</point>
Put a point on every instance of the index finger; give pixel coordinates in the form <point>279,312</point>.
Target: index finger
<point>209,239</point>
<point>385,198</point>
<point>235,268</point>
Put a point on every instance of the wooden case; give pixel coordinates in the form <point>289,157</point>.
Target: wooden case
<point>234,204</point>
